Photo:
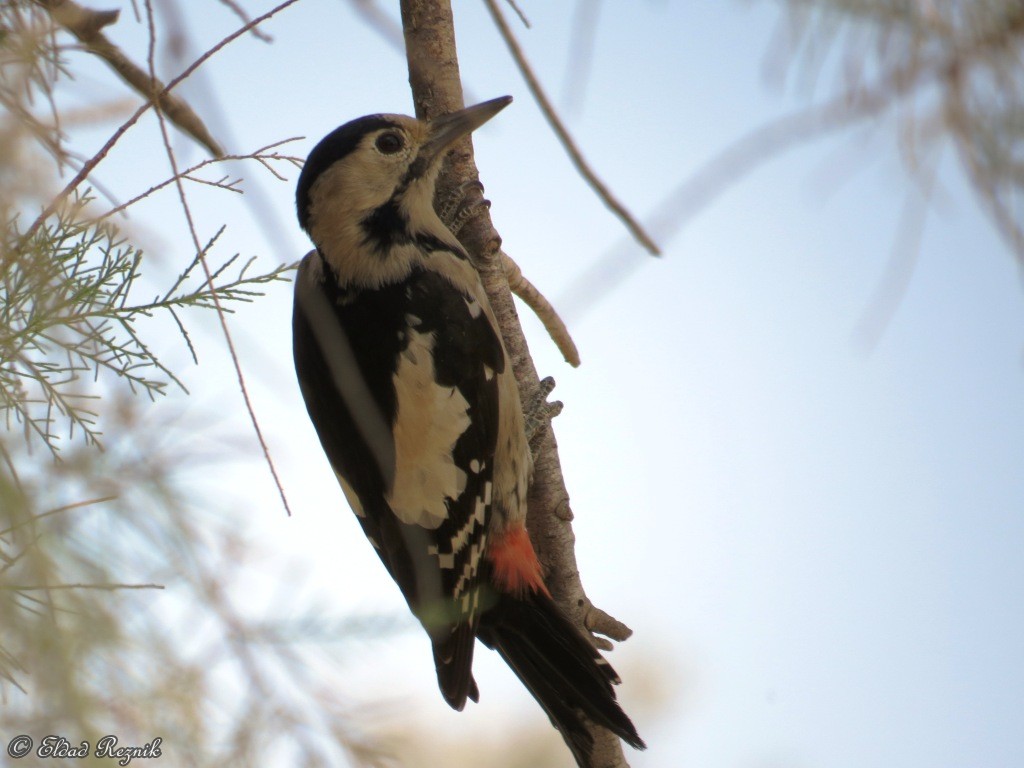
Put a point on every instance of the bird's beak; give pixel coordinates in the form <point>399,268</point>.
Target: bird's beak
<point>445,129</point>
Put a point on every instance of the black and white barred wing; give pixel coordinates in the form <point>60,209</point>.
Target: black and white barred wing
<point>401,385</point>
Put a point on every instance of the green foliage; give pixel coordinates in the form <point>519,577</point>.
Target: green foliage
<point>116,613</point>
<point>68,314</point>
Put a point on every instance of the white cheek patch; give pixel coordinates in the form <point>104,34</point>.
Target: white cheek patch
<point>339,199</point>
<point>429,420</point>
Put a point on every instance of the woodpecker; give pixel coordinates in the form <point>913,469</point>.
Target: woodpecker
<point>411,392</point>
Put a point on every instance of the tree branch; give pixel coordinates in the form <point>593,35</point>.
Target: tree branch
<point>537,301</point>
<point>208,273</point>
<point>547,109</point>
<point>88,167</point>
<point>87,25</point>
<point>437,89</point>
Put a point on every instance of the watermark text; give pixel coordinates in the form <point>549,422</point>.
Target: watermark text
<point>59,748</point>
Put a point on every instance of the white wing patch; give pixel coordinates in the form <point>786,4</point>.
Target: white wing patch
<point>350,496</point>
<point>430,418</point>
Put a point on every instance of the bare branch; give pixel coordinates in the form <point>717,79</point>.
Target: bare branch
<point>87,26</point>
<point>541,307</point>
<point>239,11</point>
<point>221,315</point>
<point>519,12</point>
<point>96,159</point>
<point>548,110</point>
<point>99,585</point>
<point>262,156</point>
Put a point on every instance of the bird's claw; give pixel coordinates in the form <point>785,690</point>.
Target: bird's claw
<point>540,412</point>
<point>464,203</point>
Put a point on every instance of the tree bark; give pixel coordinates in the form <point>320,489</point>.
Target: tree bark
<point>437,89</point>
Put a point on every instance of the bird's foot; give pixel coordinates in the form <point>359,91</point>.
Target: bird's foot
<point>540,412</point>
<point>466,202</point>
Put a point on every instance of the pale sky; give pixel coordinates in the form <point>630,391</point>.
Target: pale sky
<point>816,544</point>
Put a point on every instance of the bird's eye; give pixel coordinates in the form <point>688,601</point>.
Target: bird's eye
<point>389,143</point>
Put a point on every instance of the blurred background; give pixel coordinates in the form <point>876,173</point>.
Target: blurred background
<point>794,447</point>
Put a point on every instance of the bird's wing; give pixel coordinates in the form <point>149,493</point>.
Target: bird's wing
<point>401,386</point>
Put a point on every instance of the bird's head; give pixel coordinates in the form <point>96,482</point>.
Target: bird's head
<point>371,181</point>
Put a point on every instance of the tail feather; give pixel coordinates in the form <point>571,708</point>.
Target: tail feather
<point>547,691</point>
<point>561,668</point>
<point>453,659</point>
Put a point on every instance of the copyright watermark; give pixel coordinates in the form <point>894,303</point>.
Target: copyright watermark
<point>59,748</point>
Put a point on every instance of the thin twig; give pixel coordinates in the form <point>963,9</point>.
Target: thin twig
<point>258,155</point>
<point>221,314</point>
<point>87,25</point>
<point>57,511</point>
<point>541,307</point>
<point>97,585</point>
<point>740,158</point>
<point>548,110</point>
<point>258,33</point>
<point>519,12</point>
<point>96,159</point>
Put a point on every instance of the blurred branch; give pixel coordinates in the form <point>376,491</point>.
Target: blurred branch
<point>519,12</point>
<point>959,63</point>
<point>581,53</point>
<point>99,585</point>
<point>906,248</point>
<point>702,187</point>
<point>96,159</point>
<point>548,110</point>
<point>965,60</point>
<point>377,19</point>
<point>87,25</point>
<point>240,12</point>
